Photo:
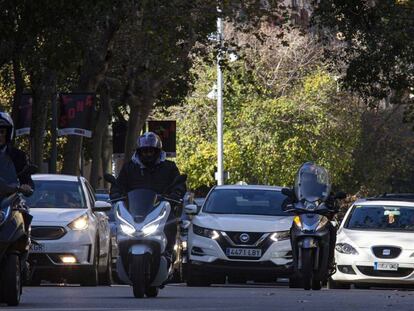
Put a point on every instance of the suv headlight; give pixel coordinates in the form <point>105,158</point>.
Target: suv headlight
<point>80,223</point>
<point>280,236</point>
<point>207,233</point>
<point>4,214</point>
<point>346,248</point>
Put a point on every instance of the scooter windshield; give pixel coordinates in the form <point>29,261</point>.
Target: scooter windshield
<point>141,202</point>
<point>312,183</point>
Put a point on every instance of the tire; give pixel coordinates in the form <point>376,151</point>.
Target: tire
<point>139,271</point>
<point>337,285</point>
<point>106,277</point>
<point>307,268</point>
<point>12,280</point>
<point>195,279</point>
<point>295,282</point>
<point>361,286</point>
<point>151,292</point>
<point>316,284</point>
<point>93,275</point>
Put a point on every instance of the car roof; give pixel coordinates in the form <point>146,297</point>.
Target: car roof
<point>384,202</point>
<point>59,177</point>
<point>250,187</point>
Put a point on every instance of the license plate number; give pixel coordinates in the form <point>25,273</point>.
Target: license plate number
<point>244,252</point>
<point>37,248</point>
<point>386,266</point>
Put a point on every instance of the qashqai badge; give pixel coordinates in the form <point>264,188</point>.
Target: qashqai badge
<point>244,237</point>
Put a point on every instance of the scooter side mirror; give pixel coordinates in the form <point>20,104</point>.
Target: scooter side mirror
<point>288,192</point>
<point>110,178</point>
<point>340,195</point>
<point>191,209</point>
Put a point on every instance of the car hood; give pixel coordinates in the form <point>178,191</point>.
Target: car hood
<point>55,215</point>
<point>361,238</point>
<point>250,223</point>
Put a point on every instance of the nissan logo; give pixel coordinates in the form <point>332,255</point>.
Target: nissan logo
<point>244,237</point>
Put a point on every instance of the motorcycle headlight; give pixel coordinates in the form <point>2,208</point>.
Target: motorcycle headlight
<point>4,214</point>
<point>80,223</point>
<point>322,223</point>
<point>346,248</point>
<point>280,236</point>
<point>152,226</point>
<point>207,233</point>
<point>125,226</point>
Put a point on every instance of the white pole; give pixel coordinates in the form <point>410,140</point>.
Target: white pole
<point>219,103</point>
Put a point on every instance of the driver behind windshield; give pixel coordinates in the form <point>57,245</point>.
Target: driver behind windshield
<point>149,169</point>
<point>13,161</point>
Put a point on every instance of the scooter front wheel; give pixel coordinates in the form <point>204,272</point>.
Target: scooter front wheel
<point>139,270</point>
<point>152,292</point>
<point>307,268</point>
<point>11,280</point>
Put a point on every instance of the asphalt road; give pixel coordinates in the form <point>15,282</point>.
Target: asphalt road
<point>226,297</point>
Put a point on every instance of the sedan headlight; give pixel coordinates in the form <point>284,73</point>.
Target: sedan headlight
<point>207,233</point>
<point>4,214</point>
<point>346,248</point>
<point>80,223</point>
<point>280,236</point>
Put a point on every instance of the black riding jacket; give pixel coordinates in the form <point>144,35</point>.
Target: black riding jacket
<point>20,161</point>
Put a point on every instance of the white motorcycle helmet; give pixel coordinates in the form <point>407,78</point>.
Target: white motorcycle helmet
<point>7,122</point>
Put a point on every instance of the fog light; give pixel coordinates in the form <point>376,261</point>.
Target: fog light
<point>68,259</point>
<point>346,269</point>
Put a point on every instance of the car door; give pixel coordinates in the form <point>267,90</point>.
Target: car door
<point>102,223</point>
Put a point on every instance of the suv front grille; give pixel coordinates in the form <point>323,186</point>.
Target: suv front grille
<point>47,233</point>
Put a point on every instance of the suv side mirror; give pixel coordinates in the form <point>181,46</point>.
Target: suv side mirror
<point>101,206</point>
<point>191,209</point>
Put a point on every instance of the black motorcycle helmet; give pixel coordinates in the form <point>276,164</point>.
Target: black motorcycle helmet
<point>149,148</point>
<point>7,122</point>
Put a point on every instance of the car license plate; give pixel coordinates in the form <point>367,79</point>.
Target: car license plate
<point>244,252</point>
<point>386,266</point>
<point>37,248</point>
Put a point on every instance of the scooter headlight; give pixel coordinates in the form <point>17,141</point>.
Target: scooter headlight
<point>152,227</point>
<point>125,226</point>
<point>4,214</point>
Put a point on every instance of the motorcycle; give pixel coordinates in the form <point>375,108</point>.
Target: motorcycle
<point>312,234</point>
<point>15,241</point>
<point>141,220</point>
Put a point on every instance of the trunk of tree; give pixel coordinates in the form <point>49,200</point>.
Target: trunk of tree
<point>106,156</point>
<point>101,126</point>
<point>44,86</point>
<point>19,85</point>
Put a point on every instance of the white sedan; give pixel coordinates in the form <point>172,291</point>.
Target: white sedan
<point>375,244</point>
<point>70,233</point>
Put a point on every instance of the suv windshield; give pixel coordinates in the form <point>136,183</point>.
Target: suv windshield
<point>381,217</point>
<point>245,202</point>
<point>56,194</point>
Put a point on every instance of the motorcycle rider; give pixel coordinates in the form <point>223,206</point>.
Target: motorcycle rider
<point>13,161</point>
<point>149,169</point>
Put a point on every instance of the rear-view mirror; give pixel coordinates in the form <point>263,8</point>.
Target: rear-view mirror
<point>191,209</point>
<point>101,206</point>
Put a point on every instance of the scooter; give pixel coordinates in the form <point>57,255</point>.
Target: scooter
<point>15,223</point>
<point>141,220</point>
<point>312,234</point>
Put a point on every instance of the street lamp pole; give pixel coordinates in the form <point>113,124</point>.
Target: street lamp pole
<point>220,179</point>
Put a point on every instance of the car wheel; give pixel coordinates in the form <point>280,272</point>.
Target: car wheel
<point>361,286</point>
<point>11,281</point>
<point>196,279</point>
<point>151,292</point>
<point>106,277</point>
<point>91,278</point>
<point>337,285</point>
<point>316,284</point>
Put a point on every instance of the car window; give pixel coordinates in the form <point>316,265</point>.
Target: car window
<point>90,193</point>
<point>381,217</point>
<point>56,194</point>
<point>245,201</point>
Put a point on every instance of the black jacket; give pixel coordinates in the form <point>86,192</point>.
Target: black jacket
<point>158,178</point>
<point>20,162</point>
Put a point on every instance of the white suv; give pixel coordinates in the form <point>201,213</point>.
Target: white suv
<point>240,232</point>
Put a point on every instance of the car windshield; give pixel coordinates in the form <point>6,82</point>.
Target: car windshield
<point>245,202</point>
<point>381,217</point>
<point>56,194</point>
